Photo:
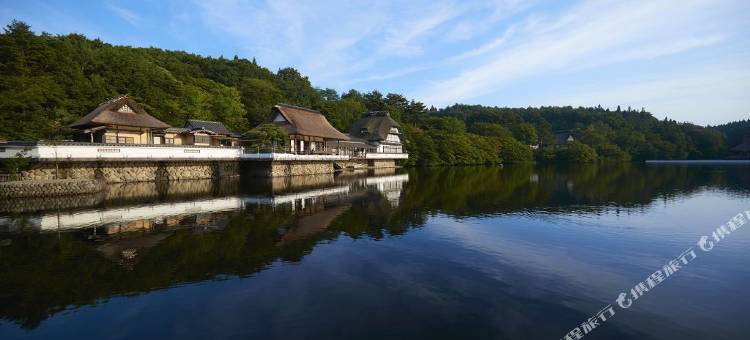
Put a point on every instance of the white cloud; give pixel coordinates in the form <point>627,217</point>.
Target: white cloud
<point>400,40</point>
<point>461,51</point>
<point>663,95</point>
<point>583,35</point>
<point>124,13</point>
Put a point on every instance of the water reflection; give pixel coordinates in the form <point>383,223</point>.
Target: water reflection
<point>60,254</point>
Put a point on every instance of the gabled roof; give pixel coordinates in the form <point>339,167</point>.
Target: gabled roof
<point>374,125</point>
<point>123,111</point>
<point>215,127</point>
<point>306,122</point>
<point>176,130</point>
<point>562,137</point>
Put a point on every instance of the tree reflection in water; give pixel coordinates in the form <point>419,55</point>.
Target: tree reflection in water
<point>63,253</point>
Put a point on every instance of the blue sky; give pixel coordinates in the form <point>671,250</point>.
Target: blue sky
<point>688,60</point>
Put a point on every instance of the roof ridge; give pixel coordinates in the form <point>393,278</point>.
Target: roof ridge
<point>298,107</point>
<point>207,121</point>
<point>114,99</point>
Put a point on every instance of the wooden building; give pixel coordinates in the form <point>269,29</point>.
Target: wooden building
<point>309,131</point>
<point>379,131</point>
<point>120,120</point>
<point>200,133</point>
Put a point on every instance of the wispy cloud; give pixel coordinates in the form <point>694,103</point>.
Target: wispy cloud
<point>125,14</point>
<point>583,34</point>
<point>498,52</point>
<point>677,95</point>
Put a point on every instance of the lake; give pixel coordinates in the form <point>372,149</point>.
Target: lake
<point>515,252</point>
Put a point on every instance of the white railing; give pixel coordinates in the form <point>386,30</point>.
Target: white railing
<point>377,155</point>
<point>146,152</point>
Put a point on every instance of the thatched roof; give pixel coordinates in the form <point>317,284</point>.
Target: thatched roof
<point>374,125</point>
<point>305,122</point>
<point>122,111</point>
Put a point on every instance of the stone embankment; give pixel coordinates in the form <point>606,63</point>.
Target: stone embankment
<point>46,188</point>
<point>136,171</point>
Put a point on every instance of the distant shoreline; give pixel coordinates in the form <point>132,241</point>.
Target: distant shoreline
<point>700,161</point>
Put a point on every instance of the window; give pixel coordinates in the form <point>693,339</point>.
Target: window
<point>201,139</point>
<point>168,140</point>
<point>125,108</point>
<point>392,149</point>
<point>119,140</point>
<point>393,138</point>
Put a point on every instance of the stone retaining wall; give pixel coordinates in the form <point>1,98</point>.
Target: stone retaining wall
<point>48,188</point>
<point>286,168</point>
<point>385,163</point>
<point>352,164</point>
<point>119,172</point>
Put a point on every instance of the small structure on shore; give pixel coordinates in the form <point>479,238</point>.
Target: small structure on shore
<point>200,133</point>
<point>120,120</point>
<point>378,130</point>
<point>560,139</point>
<point>309,131</point>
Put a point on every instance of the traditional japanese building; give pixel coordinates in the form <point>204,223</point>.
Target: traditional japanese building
<point>309,131</point>
<point>119,120</point>
<point>561,138</point>
<point>198,132</point>
<point>379,131</point>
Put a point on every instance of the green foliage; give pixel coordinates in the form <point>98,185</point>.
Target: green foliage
<point>47,82</point>
<point>576,152</point>
<point>268,135</point>
<point>618,135</point>
<point>19,162</point>
<point>526,133</point>
<point>513,151</point>
<point>258,95</point>
<point>342,113</point>
<point>491,130</point>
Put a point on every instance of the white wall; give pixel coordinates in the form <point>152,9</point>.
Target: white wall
<point>120,152</point>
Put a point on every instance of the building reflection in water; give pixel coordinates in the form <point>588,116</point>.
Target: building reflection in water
<point>135,238</point>
<point>126,220</point>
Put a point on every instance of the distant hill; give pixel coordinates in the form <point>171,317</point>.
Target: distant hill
<point>46,82</point>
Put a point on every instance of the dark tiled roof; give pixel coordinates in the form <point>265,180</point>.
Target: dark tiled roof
<point>108,113</point>
<point>306,122</point>
<point>562,137</point>
<point>216,127</point>
<point>373,126</point>
<point>176,130</point>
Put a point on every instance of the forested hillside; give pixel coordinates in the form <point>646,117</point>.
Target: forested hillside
<point>46,82</point>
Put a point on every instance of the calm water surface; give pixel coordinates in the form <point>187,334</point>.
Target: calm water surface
<point>480,252</point>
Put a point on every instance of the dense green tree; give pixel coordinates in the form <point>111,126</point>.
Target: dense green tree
<point>266,136</point>
<point>258,96</point>
<point>47,82</point>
